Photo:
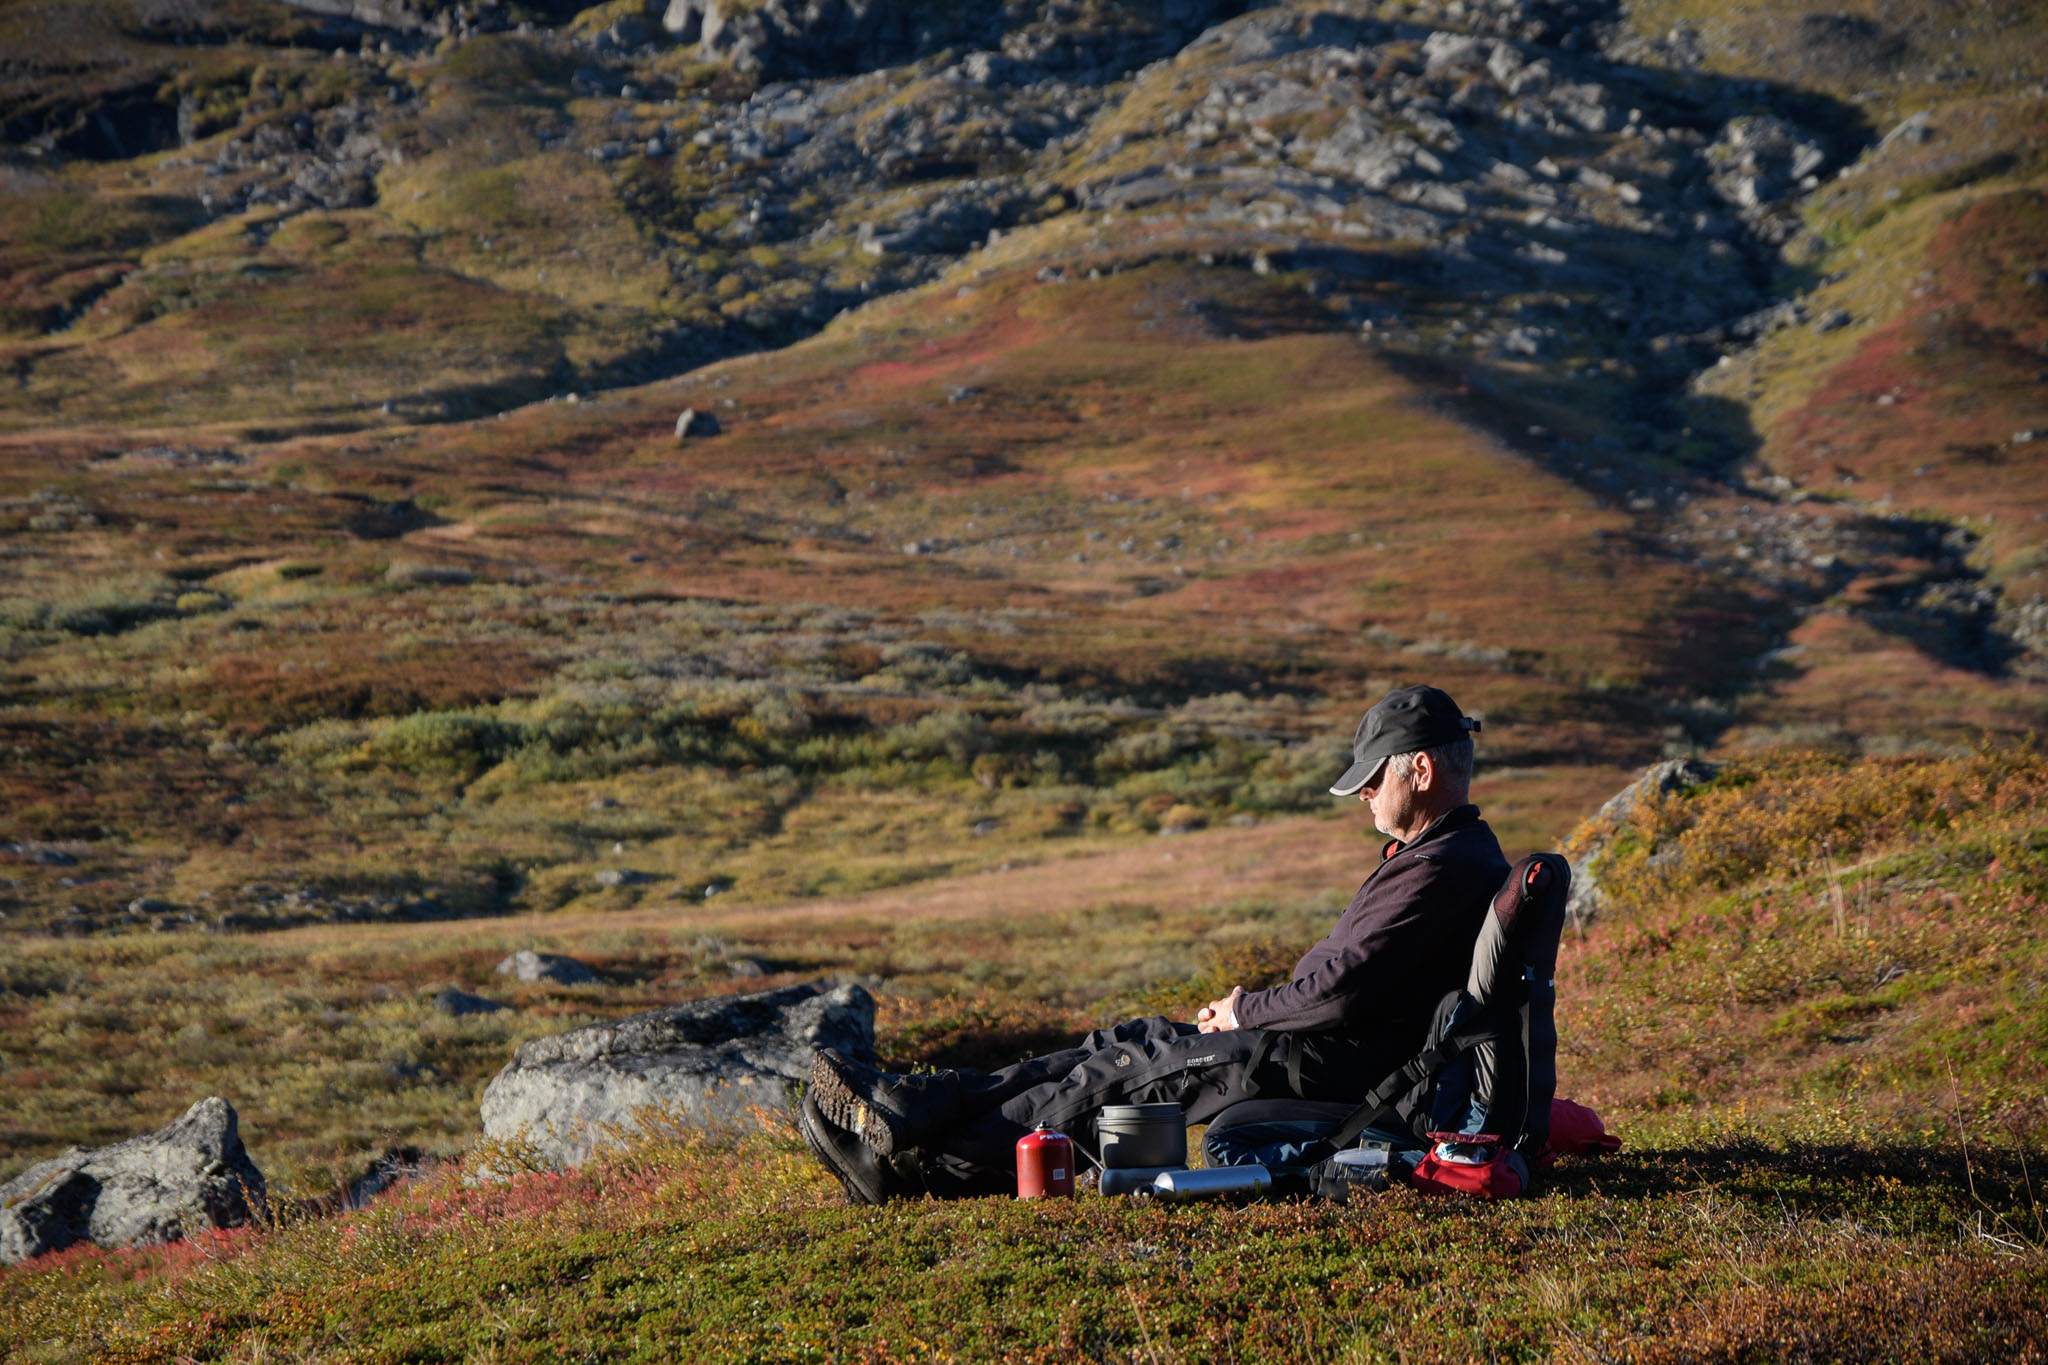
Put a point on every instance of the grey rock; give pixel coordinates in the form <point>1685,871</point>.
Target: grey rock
<point>785,38</point>
<point>1913,130</point>
<point>1263,36</point>
<point>707,1065</point>
<point>951,222</point>
<point>620,876</point>
<point>458,1003</point>
<point>553,968</point>
<point>683,20</point>
<point>1834,320</point>
<point>1759,159</point>
<point>146,1191</point>
<point>986,68</point>
<point>1588,845</point>
<point>694,423</point>
<point>1446,51</point>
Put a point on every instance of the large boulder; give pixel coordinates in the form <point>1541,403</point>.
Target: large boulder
<point>1589,843</point>
<point>152,1189</point>
<point>711,1064</point>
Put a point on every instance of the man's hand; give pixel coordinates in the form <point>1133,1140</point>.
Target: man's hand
<point>1219,1016</point>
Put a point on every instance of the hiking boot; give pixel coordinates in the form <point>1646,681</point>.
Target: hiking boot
<point>890,1113</point>
<point>865,1175</point>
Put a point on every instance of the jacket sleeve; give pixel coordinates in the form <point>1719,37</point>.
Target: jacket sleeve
<point>1364,962</point>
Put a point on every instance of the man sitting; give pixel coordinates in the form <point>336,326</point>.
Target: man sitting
<point>1357,1007</point>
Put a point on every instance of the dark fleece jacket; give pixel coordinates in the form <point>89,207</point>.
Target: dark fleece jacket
<point>1403,942</point>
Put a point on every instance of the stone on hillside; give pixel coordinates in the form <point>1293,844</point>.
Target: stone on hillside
<point>683,20</point>
<point>1263,36</point>
<point>711,1064</point>
<point>695,423</point>
<point>1446,51</point>
<point>457,1003</point>
<point>620,876</point>
<point>1914,129</point>
<point>146,1191</point>
<point>986,68</point>
<point>1589,843</point>
<point>553,968</point>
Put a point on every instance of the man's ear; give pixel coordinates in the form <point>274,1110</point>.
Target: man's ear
<point>1424,774</point>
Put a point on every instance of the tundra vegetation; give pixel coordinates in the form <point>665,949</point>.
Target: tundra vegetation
<point>1104,407</point>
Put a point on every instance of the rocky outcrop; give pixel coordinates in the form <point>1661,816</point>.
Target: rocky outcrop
<point>708,1064</point>
<point>393,14</point>
<point>1589,843</point>
<point>421,18</point>
<point>327,159</point>
<point>192,1175</point>
<point>822,37</point>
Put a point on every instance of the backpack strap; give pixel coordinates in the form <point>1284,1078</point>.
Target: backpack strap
<point>1267,1040</point>
<point>1495,1021</point>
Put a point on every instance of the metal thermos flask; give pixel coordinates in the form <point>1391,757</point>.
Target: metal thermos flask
<point>1045,1164</point>
<point>1217,1182</point>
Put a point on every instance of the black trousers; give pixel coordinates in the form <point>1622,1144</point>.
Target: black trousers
<point>1144,1061</point>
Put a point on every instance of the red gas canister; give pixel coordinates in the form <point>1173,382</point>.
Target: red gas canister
<point>1045,1164</point>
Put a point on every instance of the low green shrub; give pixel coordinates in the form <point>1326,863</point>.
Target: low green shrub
<point>466,742</point>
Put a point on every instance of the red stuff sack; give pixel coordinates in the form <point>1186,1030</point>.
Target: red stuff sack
<point>1576,1130</point>
<point>1470,1163</point>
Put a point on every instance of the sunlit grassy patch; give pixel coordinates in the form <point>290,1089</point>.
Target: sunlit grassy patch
<point>1810,930</point>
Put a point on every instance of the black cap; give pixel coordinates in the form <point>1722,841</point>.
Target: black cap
<point>1405,720</point>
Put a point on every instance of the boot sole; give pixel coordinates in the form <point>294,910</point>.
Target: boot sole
<point>862,1185</point>
<point>845,1107</point>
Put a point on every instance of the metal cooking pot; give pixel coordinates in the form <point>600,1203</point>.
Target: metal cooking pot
<point>1132,1136</point>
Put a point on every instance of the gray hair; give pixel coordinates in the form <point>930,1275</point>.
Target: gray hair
<point>1452,761</point>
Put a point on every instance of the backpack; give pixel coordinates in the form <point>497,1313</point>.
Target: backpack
<point>1471,1112</point>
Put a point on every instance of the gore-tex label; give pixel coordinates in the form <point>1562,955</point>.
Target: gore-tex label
<point>1201,1061</point>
